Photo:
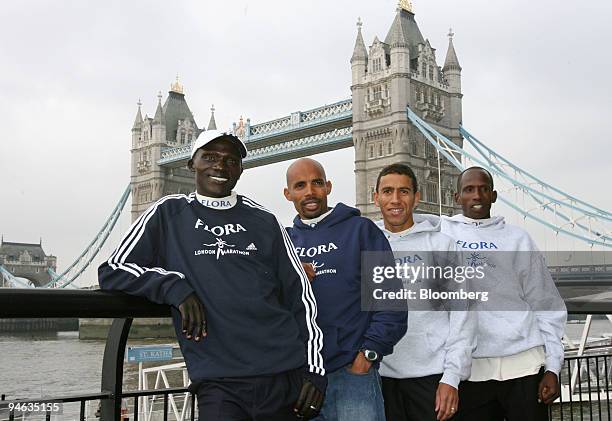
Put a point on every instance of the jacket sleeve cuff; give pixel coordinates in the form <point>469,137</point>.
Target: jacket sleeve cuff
<point>320,382</point>
<point>371,345</point>
<point>553,364</point>
<point>178,292</point>
<point>450,379</point>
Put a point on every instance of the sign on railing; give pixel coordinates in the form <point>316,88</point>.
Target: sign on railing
<point>139,354</point>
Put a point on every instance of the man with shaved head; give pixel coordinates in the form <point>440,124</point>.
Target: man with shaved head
<point>332,241</point>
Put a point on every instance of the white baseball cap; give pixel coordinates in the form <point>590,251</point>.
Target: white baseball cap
<point>208,136</point>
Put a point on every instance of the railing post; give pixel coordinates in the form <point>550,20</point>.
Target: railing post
<point>112,369</point>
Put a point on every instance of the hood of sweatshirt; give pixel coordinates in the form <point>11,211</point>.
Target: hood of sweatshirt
<point>340,213</point>
<point>494,222</point>
<point>422,223</point>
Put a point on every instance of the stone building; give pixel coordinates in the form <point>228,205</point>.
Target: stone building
<point>172,126</point>
<point>402,71</point>
<point>28,261</point>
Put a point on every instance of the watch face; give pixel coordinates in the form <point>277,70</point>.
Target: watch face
<point>371,355</point>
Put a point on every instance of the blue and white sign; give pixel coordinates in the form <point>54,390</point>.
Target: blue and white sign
<point>139,354</point>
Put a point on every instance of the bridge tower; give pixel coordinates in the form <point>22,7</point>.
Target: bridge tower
<point>172,126</point>
<point>398,72</point>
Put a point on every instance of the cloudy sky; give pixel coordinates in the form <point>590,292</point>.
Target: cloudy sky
<point>535,83</point>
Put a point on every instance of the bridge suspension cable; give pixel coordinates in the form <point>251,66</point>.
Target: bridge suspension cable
<point>570,201</point>
<point>584,222</point>
<point>81,263</point>
<point>14,281</point>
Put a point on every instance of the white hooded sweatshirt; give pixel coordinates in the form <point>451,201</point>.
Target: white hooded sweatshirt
<point>532,313</point>
<point>437,341</point>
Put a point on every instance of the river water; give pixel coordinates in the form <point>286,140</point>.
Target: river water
<point>35,365</point>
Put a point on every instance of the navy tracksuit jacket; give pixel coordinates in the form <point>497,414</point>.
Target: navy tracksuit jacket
<point>240,262</point>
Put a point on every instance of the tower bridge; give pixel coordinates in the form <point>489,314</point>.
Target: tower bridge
<point>400,71</point>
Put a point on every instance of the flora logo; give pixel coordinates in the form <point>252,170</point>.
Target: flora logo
<point>220,230</point>
<point>313,251</point>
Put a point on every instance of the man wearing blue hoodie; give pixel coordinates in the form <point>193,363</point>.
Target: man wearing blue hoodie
<point>519,353</point>
<point>421,378</point>
<point>354,341</point>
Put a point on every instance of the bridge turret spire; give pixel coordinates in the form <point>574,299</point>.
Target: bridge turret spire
<point>359,52</point>
<point>212,124</point>
<point>176,86</point>
<point>159,112</point>
<point>451,62</point>
<point>359,60</point>
<point>405,5</point>
<point>138,119</point>
<point>452,69</point>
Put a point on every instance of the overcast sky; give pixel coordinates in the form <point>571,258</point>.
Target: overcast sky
<point>535,82</point>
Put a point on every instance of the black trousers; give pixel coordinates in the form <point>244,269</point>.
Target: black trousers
<point>260,398</point>
<point>410,399</point>
<point>510,400</point>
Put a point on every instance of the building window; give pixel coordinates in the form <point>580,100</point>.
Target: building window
<point>371,190</point>
<point>377,92</point>
<point>415,149</point>
<point>377,64</point>
<point>380,149</point>
<point>432,192</point>
<point>189,136</point>
<point>431,72</point>
<point>430,150</point>
<point>390,148</point>
<point>371,151</point>
<point>182,137</point>
<point>423,69</point>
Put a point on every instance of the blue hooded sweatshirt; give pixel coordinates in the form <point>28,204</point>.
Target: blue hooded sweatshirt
<point>334,246</point>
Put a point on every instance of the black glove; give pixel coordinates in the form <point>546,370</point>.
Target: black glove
<point>311,397</point>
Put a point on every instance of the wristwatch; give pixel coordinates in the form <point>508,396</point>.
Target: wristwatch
<point>371,356</point>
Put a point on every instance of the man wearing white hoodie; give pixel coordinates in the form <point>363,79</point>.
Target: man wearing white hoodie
<point>519,354</point>
<point>421,377</point>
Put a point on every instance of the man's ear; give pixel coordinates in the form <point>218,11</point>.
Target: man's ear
<point>376,199</point>
<point>287,194</point>
<point>417,199</point>
<point>190,164</point>
<point>328,186</point>
<point>456,197</point>
<point>494,196</point>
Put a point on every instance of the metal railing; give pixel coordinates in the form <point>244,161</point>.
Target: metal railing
<point>586,398</point>
<point>123,308</point>
<point>585,389</point>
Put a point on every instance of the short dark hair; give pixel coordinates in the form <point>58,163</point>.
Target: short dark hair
<point>474,168</point>
<point>400,169</point>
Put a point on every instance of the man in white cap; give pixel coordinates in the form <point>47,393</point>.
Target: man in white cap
<point>235,286</point>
